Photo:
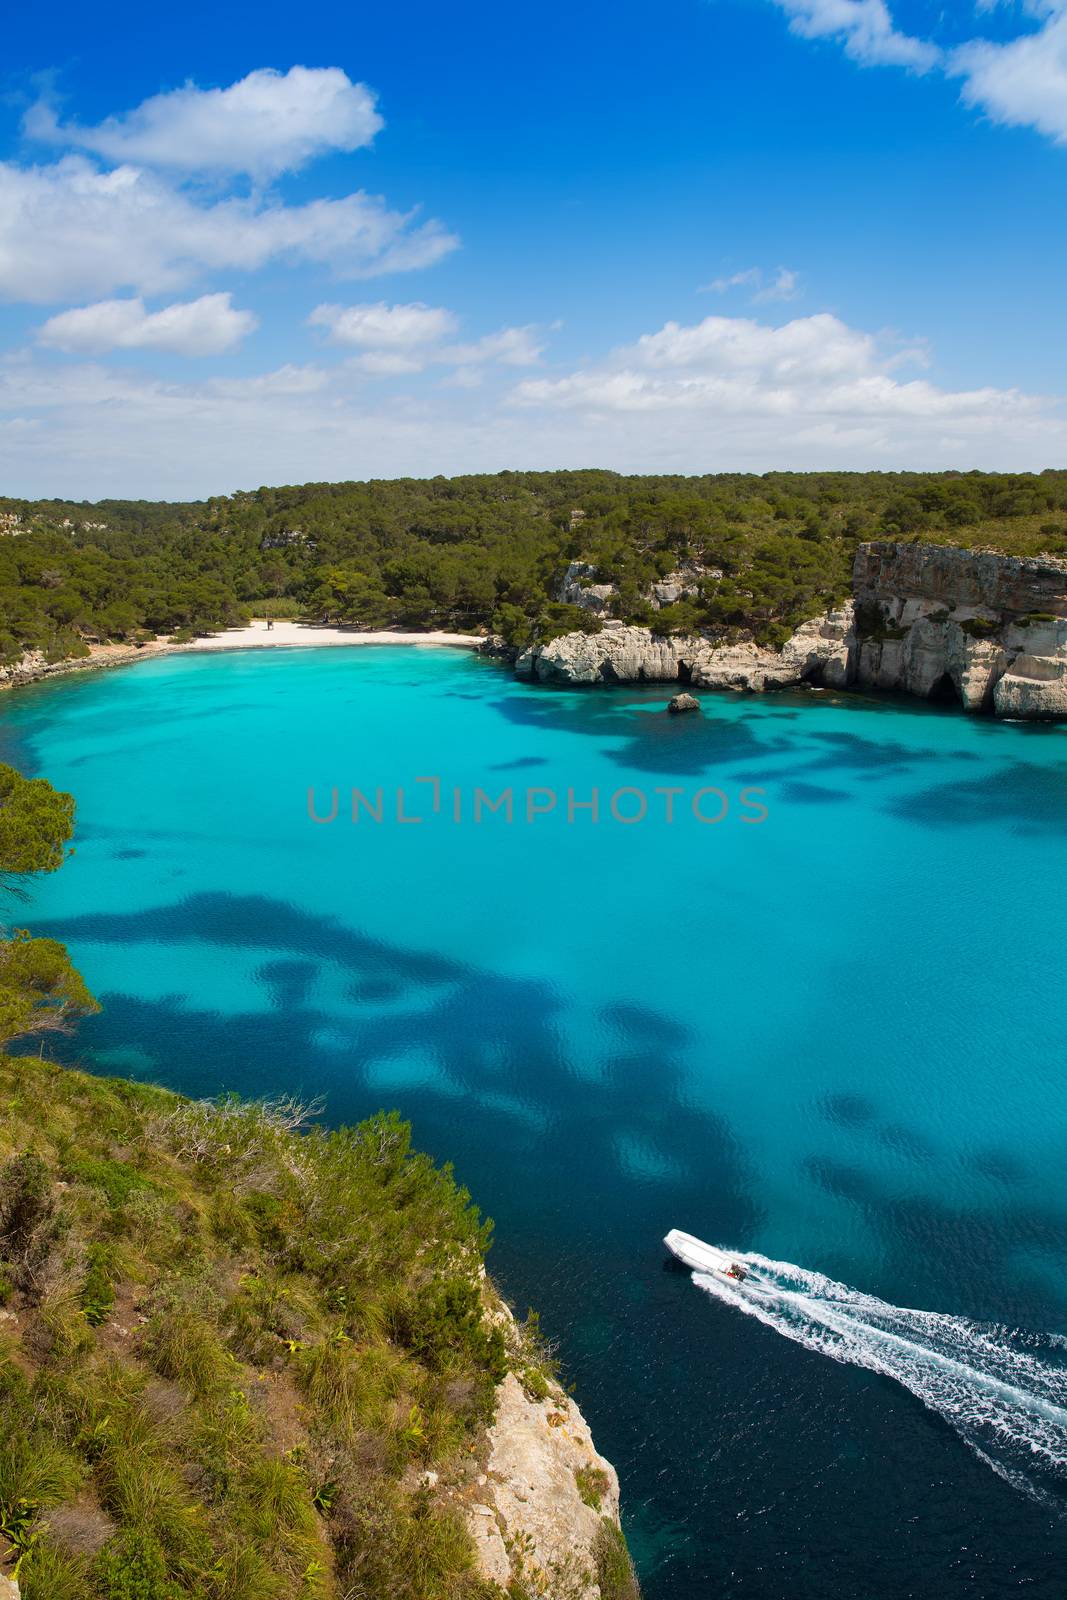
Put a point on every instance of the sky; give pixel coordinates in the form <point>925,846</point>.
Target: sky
<point>259,245</point>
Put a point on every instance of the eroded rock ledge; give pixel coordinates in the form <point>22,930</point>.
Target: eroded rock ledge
<point>985,630</point>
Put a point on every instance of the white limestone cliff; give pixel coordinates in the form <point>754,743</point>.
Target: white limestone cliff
<point>986,631</point>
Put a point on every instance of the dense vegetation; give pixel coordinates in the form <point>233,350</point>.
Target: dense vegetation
<point>242,1356</point>
<point>487,550</point>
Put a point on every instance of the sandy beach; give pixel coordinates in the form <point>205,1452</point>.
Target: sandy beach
<point>256,635</point>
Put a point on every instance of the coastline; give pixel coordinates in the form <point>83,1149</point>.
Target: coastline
<point>253,636</point>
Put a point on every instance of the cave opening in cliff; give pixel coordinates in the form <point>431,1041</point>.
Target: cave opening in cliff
<point>685,672</point>
<point>944,692</point>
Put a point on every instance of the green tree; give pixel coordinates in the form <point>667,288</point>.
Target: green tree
<point>39,987</point>
<point>36,823</point>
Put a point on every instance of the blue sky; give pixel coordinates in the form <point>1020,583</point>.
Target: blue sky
<point>250,245</point>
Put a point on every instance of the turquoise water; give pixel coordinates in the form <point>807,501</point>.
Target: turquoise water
<point>834,1036</point>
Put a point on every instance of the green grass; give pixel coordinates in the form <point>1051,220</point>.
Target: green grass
<point>238,1341</point>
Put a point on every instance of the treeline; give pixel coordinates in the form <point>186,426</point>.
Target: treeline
<point>487,550</point>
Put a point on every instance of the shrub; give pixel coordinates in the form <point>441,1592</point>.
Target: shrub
<point>448,1318</point>
<point>134,1567</point>
<point>592,1485</point>
<point>980,627</point>
<point>614,1569</point>
<point>117,1179</point>
<point>28,1222</point>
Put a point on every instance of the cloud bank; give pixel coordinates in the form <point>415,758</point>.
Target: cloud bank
<point>723,394</point>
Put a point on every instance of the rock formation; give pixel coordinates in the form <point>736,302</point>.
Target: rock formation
<point>985,630</point>
<point>580,588</point>
<point>545,1510</point>
<point>546,1496</point>
<point>822,650</point>
<point>682,703</point>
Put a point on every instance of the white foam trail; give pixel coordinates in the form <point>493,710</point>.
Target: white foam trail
<point>1003,1390</point>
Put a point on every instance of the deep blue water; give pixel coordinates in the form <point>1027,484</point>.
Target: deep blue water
<point>835,1037</point>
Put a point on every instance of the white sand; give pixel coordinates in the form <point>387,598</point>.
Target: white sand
<point>257,635</point>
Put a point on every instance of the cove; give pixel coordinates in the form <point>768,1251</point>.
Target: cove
<point>835,1038</point>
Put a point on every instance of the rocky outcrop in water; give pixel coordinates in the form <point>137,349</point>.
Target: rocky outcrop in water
<point>681,703</point>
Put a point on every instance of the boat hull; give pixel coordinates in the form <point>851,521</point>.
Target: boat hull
<point>695,1254</point>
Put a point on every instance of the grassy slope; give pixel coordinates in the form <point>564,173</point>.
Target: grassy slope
<point>229,1351</point>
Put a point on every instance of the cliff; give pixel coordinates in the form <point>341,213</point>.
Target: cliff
<point>249,1359</point>
<point>546,1517</point>
<point>987,631</point>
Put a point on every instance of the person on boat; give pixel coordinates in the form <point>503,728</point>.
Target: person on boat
<point>737,1271</point>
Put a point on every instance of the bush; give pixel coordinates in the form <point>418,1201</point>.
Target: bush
<point>614,1569</point>
<point>448,1319</point>
<point>980,627</point>
<point>134,1568</point>
<point>117,1179</point>
<point>592,1485</point>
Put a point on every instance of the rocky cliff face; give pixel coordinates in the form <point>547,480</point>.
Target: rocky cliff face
<point>544,1515</point>
<point>1010,586</point>
<point>548,1501</point>
<point>988,631</point>
<point>821,651</point>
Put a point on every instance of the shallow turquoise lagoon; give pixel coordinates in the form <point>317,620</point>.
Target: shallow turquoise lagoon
<point>834,1036</point>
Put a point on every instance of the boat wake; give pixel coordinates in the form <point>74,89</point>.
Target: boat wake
<point>1003,1390</point>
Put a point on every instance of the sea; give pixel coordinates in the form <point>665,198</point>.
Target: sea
<point>786,973</point>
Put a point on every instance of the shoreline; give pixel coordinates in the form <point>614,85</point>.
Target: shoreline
<point>253,636</point>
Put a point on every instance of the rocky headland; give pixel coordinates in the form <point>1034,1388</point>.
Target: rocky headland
<point>235,1342</point>
<point>984,630</point>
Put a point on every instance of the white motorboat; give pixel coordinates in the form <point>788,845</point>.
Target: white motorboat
<point>701,1257</point>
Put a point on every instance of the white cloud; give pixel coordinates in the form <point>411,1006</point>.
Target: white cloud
<point>725,394</point>
<point>384,327</point>
<point>785,285</point>
<point>512,347</point>
<point>206,327</point>
<point>810,392</point>
<point>737,280</point>
<point>268,123</point>
<point>403,339</point>
<point>865,28</point>
<point>1022,83</point>
<point>70,231</point>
